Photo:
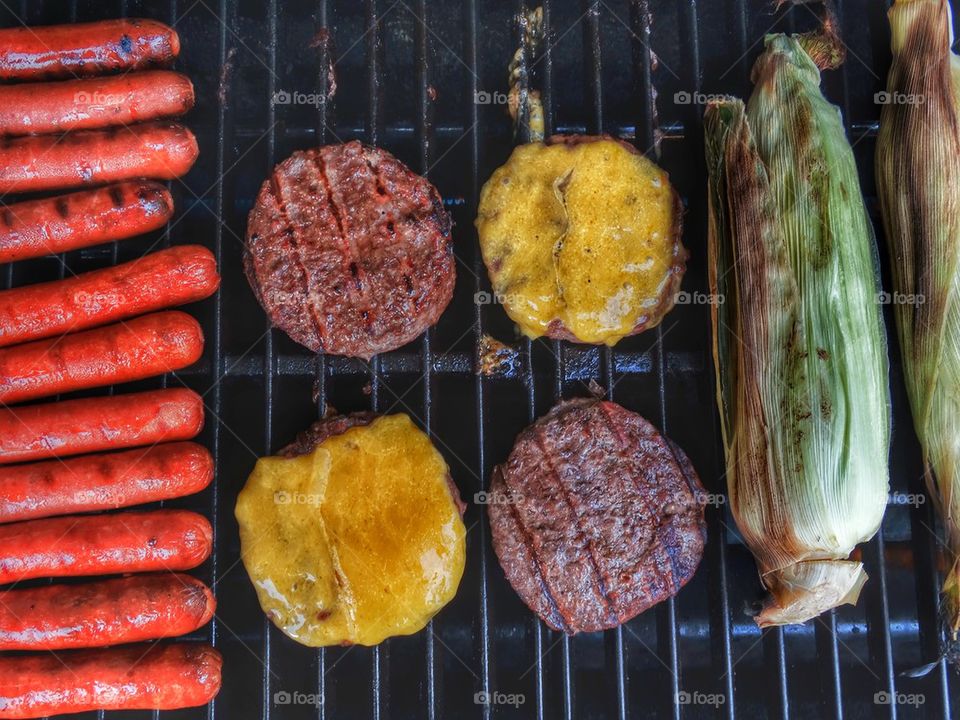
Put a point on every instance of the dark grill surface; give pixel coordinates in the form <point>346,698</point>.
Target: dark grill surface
<point>407,74</point>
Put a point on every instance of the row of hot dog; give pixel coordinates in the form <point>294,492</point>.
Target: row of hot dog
<point>99,328</point>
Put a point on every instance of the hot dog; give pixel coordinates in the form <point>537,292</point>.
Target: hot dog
<point>131,350</point>
<point>159,150</point>
<point>126,542</point>
<point>102,482</point>
<point>156,281</point>
<point>52,225</point>
<point>73,427</point>
<point>84,49</point>
<point>110,612</point>
<point>134,677</point>
<point>55,107</point>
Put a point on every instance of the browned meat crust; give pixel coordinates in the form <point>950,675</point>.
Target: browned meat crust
<point>348,251</point>
<point>595,516</point>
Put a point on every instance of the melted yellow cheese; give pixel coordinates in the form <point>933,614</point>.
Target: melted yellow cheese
<point>356,542</point>
<point>582,234</point>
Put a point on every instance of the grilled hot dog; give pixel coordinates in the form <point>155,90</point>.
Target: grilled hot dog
<point>37,108</point>
<point>110,612</point>
<point>102,482</point>
<point>134,677</point>
<point>127,542</point>
<point>84,49</point>
<point>159,150</point>
<point>132,350</point>
<point>52,225</point>
<point>163,279</point>
<point>73,427</point>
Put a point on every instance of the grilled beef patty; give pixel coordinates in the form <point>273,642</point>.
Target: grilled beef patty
<point>348,251</point>
<point>595,516</point>
<point>329,426</point>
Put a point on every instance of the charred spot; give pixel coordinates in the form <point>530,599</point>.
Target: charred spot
<point>823,354</point>
<point>408,282</point>
<point>152,542</point>
<point>153,201</point>
<point>63,209</point>
<point>7,216</point>
<point>324,614</point>
<point>116,196</point>
<point>126,44</point>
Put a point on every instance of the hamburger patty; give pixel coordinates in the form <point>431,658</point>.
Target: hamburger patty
<point>348,251</point>
<point>595,516</point>
<point>329,426</point>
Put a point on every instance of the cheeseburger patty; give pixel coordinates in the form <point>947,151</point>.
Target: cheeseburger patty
<point>595,516</point>
<point>348,251</point>
<point>353,533</point>
<point>581,238</point>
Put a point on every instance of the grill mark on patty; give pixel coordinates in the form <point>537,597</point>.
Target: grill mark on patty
<point>582,541</point>
<point>391,227</point>
<point>309,299</point>
<point>351,256</point>
<point>560,620</point>
<point>655,539</point>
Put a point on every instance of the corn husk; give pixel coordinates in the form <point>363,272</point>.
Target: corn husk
<point>799,345</point>
<point>918,178</point>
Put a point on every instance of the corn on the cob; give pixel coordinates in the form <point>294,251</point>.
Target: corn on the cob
<point>799,346</point>
<point>918,178</point>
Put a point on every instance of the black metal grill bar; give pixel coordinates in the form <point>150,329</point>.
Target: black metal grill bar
<point>522,135</point>
<point>424,135</point>
<point>224,131</point>
<point>323,118</point>
<point>876,554</point>
<point>268,348</point>
<point>391,132</point>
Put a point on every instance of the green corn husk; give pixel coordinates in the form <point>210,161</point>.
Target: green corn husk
<point>918,178</point>
<point>799,345</point>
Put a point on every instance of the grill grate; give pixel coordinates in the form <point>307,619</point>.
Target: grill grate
<point>407,75</point>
